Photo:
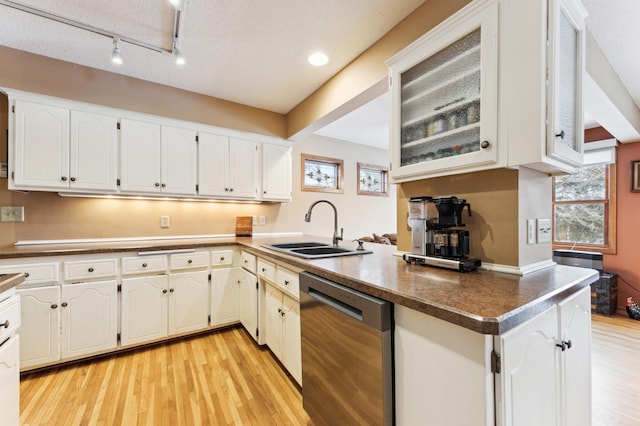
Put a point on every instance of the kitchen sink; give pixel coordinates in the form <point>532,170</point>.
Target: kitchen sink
<point>313,250</point>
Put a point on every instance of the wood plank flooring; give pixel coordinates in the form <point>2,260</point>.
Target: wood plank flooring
<point>224,378</point>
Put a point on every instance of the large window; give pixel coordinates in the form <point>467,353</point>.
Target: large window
<point>584,210</point>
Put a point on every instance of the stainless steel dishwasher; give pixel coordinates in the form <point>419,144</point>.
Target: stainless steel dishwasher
<point>347,354</point>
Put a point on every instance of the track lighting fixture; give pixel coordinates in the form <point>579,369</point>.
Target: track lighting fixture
<point>116,56</point>
<point>178,54</point>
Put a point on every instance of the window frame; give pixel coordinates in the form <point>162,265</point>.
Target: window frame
<point>339,164</point>
<point>384,175</point>
<point>609,217</point>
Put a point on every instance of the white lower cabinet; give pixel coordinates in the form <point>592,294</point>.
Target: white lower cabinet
<point>10,381</point>
<point>546,367</point>
<point>157,306</point>
<point>225,297</point>
<point>249,309</point>
<point>40,317</point>
<point>69,321</point>
<point>282,327</point>
<point>89,318</point>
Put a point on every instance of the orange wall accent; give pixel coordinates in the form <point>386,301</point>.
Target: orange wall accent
<point>625,262</point>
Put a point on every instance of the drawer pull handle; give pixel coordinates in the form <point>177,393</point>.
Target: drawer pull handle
<point>65,304</point>
<point>564,345</point>
<point>189,261</point>
<point>54,306</point>
<point>221,258</point>
<point>264,270</point>
<point>286,282</point>
<point>6,324</point>
<point>144,265</point>
<point>90,269</point>
<point>164,291</point>
<point>246,261</point>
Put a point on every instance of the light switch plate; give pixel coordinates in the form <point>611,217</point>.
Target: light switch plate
<point>543,230</point>
<point>164,222</point>
<point>11,214</point>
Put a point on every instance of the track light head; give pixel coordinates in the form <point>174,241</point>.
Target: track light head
<point>116,56</point>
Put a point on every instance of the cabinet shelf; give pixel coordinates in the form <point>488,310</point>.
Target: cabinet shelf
<point>461,140</point>
<point>445,110</point>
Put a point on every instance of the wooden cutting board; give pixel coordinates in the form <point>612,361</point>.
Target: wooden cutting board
<point>244,226</point>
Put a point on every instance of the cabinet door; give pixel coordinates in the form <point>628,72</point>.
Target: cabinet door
<point>40,325</point>
<point>575,326</point>
<point>144,309</point>
<point>292,344</point>
<point>566,62</point>
<point>273,320</point>
<point>444,91</point>
<point>179,164</point>
<point>248,301</point>
<point>89,318</point>
<point>527,388</point>
<point>243,160</point>
<point>188,301</point>
<point>213,164</point>
<point>225,296</point>
<point>10,381</point>
<point>139,156</point>
<point>93,151</point>
<point>276,172</point>
<point>41,146</point>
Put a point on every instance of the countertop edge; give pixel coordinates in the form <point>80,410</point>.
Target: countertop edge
<point>9,281</point>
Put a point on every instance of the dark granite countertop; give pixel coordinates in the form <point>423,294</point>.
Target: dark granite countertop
<point>483,301</point>
<point>9,281</point>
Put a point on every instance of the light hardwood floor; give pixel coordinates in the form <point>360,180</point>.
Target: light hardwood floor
<point>224,378</point>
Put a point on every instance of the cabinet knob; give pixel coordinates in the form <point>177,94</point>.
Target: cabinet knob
<point>264,192</point>
<point>63,178</point>
<point>286,282</point>
<point>164,291</point>
<point>6,324</point>
<point>90,269</point>
<point>157,184</point>
<point>65,304</point>
<point>144,265</point>
<point>564,345</point>
<point>26,275</point>
<point>164,185</point>
<point>171,290</point>
<point>264,270</point>
<point>221,258</point>
<point>189,261</point>
<point>560,135</point>
<point>484,144</point>
<point>73,179</point>
<point>54,306</point>
<point>230,189</point>
<point>226,189</point>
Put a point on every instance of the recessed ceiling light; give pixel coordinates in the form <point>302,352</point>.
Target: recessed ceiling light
<point>175,3</point>
<point>318,59</point>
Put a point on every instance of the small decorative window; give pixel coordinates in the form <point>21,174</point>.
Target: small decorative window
<point>322,174</point>
<point>373,180</point>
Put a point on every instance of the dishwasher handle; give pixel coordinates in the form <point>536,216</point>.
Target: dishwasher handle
<point>374,312</point>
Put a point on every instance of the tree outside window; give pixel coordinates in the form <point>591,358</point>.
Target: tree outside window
<point>584,209</point>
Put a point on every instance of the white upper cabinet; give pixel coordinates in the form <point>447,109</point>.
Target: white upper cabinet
<point>179,159</point>
<point>93,151</point>
<point>276,172</point>
<point>444,92</point>
<point>541,67</point>
<point>227,167</point>
<point>41,146</point>
<point>140,155</point>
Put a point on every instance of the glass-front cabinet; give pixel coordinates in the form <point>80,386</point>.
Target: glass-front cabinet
<point>444,97</point>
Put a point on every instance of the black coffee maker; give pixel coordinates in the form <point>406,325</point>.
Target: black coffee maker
<point>438,240</point>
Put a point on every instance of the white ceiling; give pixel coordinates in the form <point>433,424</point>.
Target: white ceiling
<point>253,52</point>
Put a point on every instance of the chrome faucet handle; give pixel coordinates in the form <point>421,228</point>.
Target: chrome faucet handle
<point>360,244</point>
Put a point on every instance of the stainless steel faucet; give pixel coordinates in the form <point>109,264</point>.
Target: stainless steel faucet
<point>336,237</point>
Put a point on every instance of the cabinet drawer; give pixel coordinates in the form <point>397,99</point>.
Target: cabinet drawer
<point>221,257</point>
<point>92,268</point>
<point>288,281</point>
<point>9,316</point>
<point>143,264</point>
<point>198,259</point>
<point>35,273</point>
<point>248,262</point>
<point>267,270</point>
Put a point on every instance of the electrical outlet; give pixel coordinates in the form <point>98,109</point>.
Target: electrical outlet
<point>11,214</point>
<point>531,231</point>
<point>543,230</point>
<point>164,222</point>
<point>263,220</point>
<point>255,221</point>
